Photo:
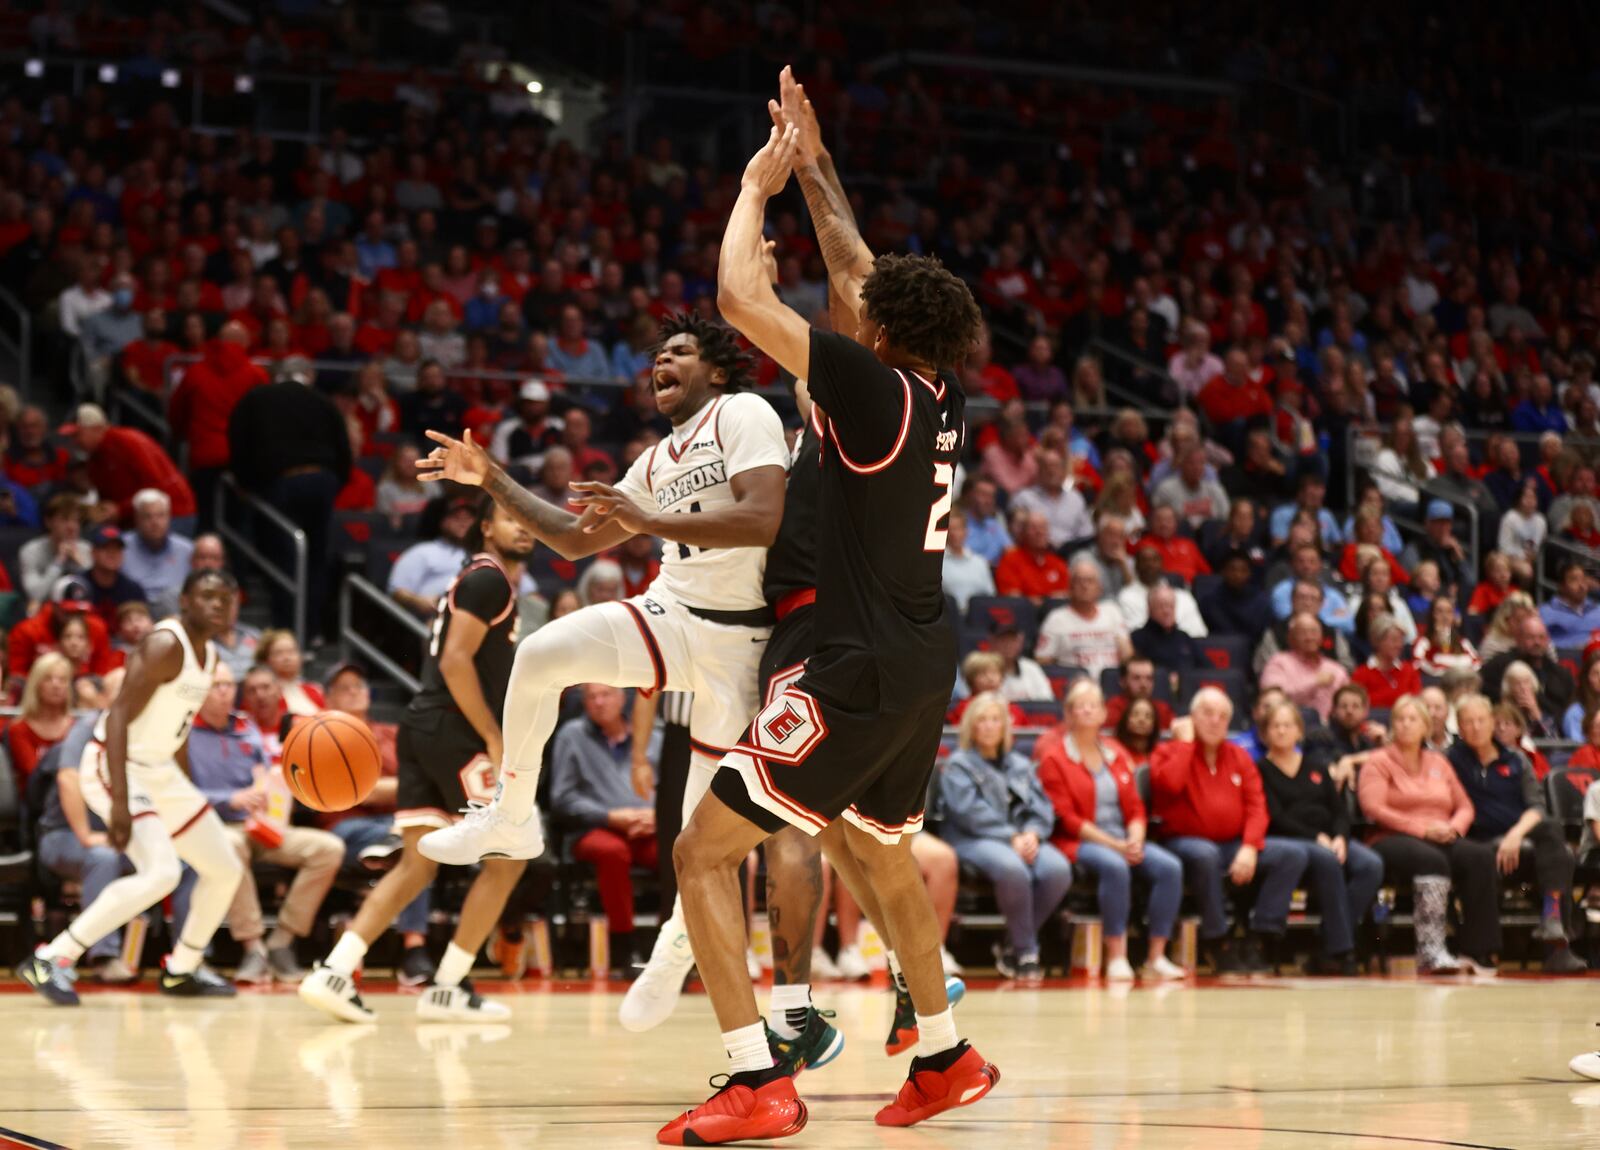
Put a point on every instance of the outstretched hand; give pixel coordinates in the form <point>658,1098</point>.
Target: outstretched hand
<point>792,107</point>
<point>768,170</point>
<point>460,460</point>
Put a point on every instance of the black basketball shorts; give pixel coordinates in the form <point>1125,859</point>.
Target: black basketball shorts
<point>443,763</point>
<point>788,648</point>
<point>805,761</point>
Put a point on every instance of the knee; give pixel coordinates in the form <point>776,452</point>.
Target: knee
<point>697,853</point>
<point>1005,868</point>
<point>1050,865</point>
<point>1113,874</point>
<point>1202,858</point>
<point>1163,868</point>
<point>1286,856</point>
<point>164,874</point>
<point>329,853</point>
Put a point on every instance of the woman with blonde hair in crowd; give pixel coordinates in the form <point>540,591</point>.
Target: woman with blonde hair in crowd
<point>1100,826</point>
<point>1519,687</point>
<point>46,714</point>
<point>1500,636</point>
<point>1120,497</point>
<point>1420,816</point>
<point>279,652</point>
<point>998,819</point>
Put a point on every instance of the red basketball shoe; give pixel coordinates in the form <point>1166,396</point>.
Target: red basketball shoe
<point>956,1077</point>
<point>752,1104</point>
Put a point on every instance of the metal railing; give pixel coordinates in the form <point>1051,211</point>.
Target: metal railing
<point>1543,584</point>
<point>295,582</point>
<point>1108,350</point>
<point>19,345</point>
<point>351,640</point>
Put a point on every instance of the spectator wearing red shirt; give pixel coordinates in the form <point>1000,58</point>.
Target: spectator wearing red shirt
<point>123,462</point>
<point>1387,675</point>
<point>1031,569</point>
<point>1138,680</point>
<point>46,714</point>
<point>1489,594</point>
<point>1207,797</point>
<point>1073,761</point>
<point>1233,395</point>
<point>38,633</point>
<point>985,377</point>
<point>30,459</point>
<point>203,403</point>
<point>639,559</point>
<point>144,361</point>
<point>1179,556</point>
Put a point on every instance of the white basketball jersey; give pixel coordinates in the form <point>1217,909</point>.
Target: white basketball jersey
<point>155,735</point>
<point>688,473</point>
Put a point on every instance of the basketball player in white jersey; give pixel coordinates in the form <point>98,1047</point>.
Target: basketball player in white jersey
<point>713,491</point>
<point>132,779</point>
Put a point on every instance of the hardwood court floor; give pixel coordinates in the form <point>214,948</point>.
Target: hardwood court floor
<point>1270,1064</point>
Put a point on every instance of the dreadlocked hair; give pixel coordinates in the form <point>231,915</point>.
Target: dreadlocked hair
<point>926,309</point>
<point>482,512</point>
<point>719,346</point>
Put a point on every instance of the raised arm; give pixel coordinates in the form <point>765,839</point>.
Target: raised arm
<point>744,294</point>
<point>465,461</point>
<point>847,256</point>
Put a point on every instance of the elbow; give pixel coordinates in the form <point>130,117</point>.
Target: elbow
<point>731,302</point>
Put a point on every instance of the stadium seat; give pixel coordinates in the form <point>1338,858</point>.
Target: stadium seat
<point>1226,652</point>
<point>1063,677</point>
<point>992,611</point>
<point>1566,788</point>
<point>1231,681</point>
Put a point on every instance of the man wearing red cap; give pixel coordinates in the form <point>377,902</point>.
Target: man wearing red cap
<point>37,634</point>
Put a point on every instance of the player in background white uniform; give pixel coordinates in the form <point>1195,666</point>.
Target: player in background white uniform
<point>132,779</point>
<point>713,491</point>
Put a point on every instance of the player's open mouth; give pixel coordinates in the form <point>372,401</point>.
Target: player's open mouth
<point>666,381</point>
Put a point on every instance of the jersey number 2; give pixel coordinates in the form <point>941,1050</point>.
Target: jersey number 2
<point>944,475</point>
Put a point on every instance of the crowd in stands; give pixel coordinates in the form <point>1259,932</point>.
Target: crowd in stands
<point>1194,345</point>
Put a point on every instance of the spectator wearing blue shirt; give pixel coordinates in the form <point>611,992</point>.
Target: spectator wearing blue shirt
<point>574,354</point>
<point>1571,617</point>
<point>1539,412</point>
<point>374,252</point>
<point>592,789</point>
<point>631,358</point>
<point>986,527</point>
<point>482,311</point>
<point>156,558</point>
<point>17,507</point>
<point>1306,567</point>
<point>228,763</point>
<point>424,570</point>
<point>1312,492</point>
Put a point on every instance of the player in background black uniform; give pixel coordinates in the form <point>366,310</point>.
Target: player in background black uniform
<point>449,751</point>
<point>801,1037</point>
<point>847,752</point>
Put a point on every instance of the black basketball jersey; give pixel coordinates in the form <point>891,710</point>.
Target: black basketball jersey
<point>890,443</point>
<point>792,558</point>
<point>483,590</point>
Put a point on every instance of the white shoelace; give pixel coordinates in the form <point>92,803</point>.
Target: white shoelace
<point>477,812</point>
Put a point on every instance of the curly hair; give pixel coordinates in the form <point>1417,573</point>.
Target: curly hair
<point>927,310</point>
<point>719,346</point>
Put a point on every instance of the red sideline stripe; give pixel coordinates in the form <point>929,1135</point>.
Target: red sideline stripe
<point>804,813</point>
<point>16,1140</point>
<point>884,827</point>
<point>651,646</point>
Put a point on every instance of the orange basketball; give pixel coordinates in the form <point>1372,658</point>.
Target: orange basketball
<point>331,761</point>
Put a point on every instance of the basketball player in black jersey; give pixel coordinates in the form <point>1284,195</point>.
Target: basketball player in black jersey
<point>449,749</point>
<point>847,751</point>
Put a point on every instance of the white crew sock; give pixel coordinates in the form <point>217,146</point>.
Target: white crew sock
<point>936,1033</point>
<point>790,1002</point>
<point>63,948</point>
<point>895,975</point>
<point>185,959</point>
<point>747,1048</point>
<point>453,967</point>
<point>347,954</point>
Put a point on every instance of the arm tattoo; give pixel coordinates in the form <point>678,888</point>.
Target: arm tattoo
<point>841,244</point>
<point>545,520</point>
